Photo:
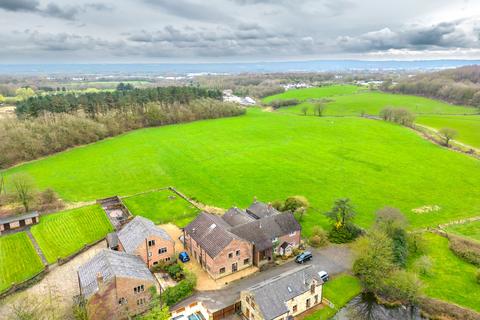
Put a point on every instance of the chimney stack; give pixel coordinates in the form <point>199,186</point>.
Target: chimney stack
<point>99,279</point>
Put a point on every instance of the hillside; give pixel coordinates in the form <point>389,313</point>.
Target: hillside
<point>227,162</point>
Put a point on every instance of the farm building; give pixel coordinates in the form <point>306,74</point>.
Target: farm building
<point>115,285</point>
<point>283,297</point>
<point>226,244</point>
<point>18,221</point>
<point>142,238</point>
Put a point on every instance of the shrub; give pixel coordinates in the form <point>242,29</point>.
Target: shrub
<point>465,249</point>
<point>416,243</point>
<point>182,290</point>
<point>400,247</point>
<point>345,234</point>
<point>283,103</point>
<point>296,202</point>
<point>175,271</point>
<point>422,265</point>
<point>277,204</point>
<point>402,286</point>
<point>318,241</point>
<point>478,276</point>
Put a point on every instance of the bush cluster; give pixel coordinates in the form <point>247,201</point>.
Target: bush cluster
<point>345,234</point>
<point>318,238</point>
<point>465,249</point>
<point>182,290</point>
<point>398,115</point>
<point>283,103</point>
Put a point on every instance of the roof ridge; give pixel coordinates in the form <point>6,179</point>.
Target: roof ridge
<point>279,277</point>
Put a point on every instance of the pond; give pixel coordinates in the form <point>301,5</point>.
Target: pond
<point>365,307</point>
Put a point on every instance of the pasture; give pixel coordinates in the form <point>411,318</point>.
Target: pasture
<point>62,234</point>
<point>314,93</point>
<point>450,278</point>
<point>468,127</point>
<point>469,230</point>
<point>162,207</point>
<point>18,260</point>
<point>372,102</point>
<point>226,162</point>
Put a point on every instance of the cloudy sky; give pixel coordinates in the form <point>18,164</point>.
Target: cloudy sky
<point>49,31</point>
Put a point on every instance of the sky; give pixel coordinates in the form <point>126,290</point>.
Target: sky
<point>162,31</point>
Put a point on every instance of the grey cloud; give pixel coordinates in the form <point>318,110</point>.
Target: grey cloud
<point>19,5</point>
<point>191,10</point>
<point>51,9</point>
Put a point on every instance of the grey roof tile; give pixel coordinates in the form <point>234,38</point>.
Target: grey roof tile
<point>271,295</point>
<point>260,210</point>
<point>137,230</point>
<point>111,264</point>
<point>235,216</point>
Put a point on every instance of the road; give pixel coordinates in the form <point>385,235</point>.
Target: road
<point>334,259</point>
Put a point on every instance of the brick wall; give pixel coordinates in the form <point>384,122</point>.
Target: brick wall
<point>155,257</point>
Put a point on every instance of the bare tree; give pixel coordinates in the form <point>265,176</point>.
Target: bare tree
<point>319,108</point>
<point>24,189</point>
<point>447,135</point>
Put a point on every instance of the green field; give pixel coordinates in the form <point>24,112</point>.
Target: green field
<point>162,207</point>
<point>373,102</point>
<point>314,93</point>
<point>451,279</point>
<point>340,291</point>
<point>468,127</point>
<point>18,260</point>
<point>470,230</point>
<point>226,162</point>
<point>62,234</point>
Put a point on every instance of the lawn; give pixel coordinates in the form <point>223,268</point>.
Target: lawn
<point>339,291</point>
<point>18,260</point>
<point>468,127</point>
<point>451,279</point>
<point>314,93</point>
<point>470,230</point>
<point>226,162</point>
<point>62,234</point>
<point>373,102</point>
<point>162,207</point>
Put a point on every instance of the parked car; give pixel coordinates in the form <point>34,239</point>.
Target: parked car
<point>183,256</point>
<point>304,257</point>
<point>324,276</point>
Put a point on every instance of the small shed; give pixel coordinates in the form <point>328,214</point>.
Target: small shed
<point>18,221</point>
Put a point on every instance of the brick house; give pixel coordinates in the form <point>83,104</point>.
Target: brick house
<point>259,232</point>
<point>283,297</point>
<point>142,238</point>
<point>115,285</point>
<point>218,251</point>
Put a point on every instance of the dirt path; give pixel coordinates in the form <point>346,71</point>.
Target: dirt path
<point>37,247</point>
<point>58,286</point>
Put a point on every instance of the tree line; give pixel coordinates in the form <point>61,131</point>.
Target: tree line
<point>100,103</point>
<point>459,86</point>
<point>25,139</point>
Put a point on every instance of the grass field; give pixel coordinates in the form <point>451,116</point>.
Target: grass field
<point>451,278</point>
<point>314,93</point>
<point>470,230</point>
<point>226,162</point>
<point>340,291</point>
<point>373,102</point>
<point>18,260</point>
<point>162,207</point>
<point>468,127</point>
<point>62,234</point>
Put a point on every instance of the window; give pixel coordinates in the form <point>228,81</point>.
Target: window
<point>222,270</point>
<point>316,298</point>
<point>312,288</point>
<point>155,263</point>
<point>295,308</point>
<point>141,302</point>
<point>122,301</point>
<point>162,250</point>
<point>307,304</point>
<point>151,243</point>
<point>167,259</point>
<point>246,261</point>
<point>237,253</point>
<point>230,255</point>
<point>139,289</point>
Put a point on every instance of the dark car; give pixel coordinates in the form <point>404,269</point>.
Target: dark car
<point>183,256</point>
<point>304,257</point>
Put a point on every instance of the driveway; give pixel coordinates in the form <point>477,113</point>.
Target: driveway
<point>334,259</point>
